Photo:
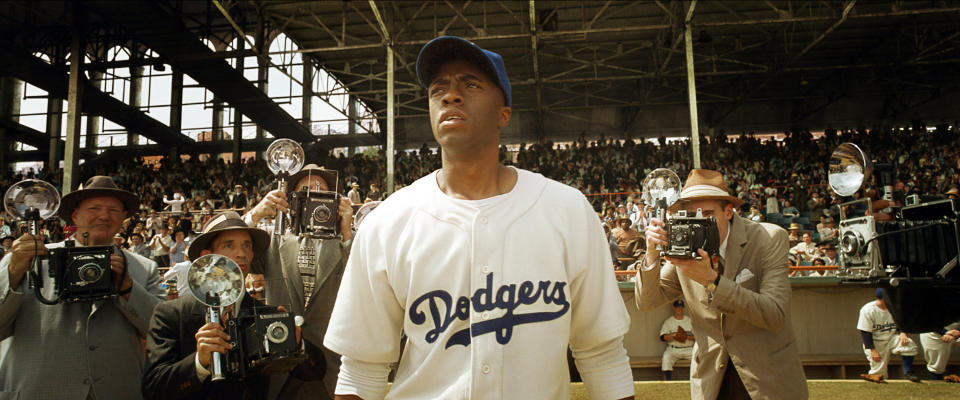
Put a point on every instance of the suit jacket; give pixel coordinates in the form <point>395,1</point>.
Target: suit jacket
<point>65,351</point>
<point>171,357</point>
<point>746,322</point>
<point>284,286</point>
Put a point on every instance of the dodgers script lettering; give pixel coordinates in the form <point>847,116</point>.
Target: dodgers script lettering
<point>443,311</point>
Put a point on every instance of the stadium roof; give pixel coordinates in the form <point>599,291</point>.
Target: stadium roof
<point>563,56</point>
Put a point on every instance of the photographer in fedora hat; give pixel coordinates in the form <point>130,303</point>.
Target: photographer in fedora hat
<point>739,305</point>
<point>94,346</point>
<point>304,273</point>
<point>181,342</point>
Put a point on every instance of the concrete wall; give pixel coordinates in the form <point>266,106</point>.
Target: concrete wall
<point>824,319</point>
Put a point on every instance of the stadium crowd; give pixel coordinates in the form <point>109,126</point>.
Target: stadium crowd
<point>784,178</point>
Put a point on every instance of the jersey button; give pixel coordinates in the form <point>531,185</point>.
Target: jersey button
<point>483,220</point>
<point>485,315</point>
<point>485,269</point>
<point>485,369</point>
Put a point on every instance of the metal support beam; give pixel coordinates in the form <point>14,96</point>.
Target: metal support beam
<point>10,91</point>
<point>391,120</point>
<point>692,87</point>
<point>306,117</point>
<point>71,151</point>
<point>54,125</point>
<point>534,32</point>
<point>93,121</point>
<point>260,45</point>
<point>238,117</point>
<point>843,17</point>
<point>136,90</point>
<point>176,105</point>
<point>351,115</point>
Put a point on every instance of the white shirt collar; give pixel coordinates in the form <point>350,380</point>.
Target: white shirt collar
<point>723,244</point>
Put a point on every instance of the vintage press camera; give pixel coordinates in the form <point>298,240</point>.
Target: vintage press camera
<point>913,257</point>
<point>314,213</point>
<point>264,341</point>
<point>687,234</point>
<point>79,274</point>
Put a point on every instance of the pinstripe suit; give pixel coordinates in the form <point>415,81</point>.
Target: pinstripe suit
<point>80,350</point>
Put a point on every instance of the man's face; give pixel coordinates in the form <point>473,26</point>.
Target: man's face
<point>178,237</point>
<point>100,218</point>
<point>135,240</point>
<point>832,253</point>
<point>807,238</point>
<point>712,207</point>
<point>236,245</point>
<point>7,243</point>
<point>313,183</point>
<point>467,107</point>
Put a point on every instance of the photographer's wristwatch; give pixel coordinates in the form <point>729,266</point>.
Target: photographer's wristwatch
<point>712,286</point>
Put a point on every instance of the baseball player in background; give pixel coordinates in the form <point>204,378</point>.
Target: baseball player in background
<point>937,347</point>
<point>881,339</point>
<point>473,265</point>
<point>677,332</point>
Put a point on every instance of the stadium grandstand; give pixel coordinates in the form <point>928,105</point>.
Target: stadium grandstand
<point>181,98</point>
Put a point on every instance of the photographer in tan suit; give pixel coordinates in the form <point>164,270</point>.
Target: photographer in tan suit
<point>739,305</point>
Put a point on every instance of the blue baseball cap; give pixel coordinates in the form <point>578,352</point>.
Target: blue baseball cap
<point>678,303</point>
<point>879,293</point>
<point>446,48</point>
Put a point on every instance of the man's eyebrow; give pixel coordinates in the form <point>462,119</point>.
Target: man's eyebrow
<point>439,81</point>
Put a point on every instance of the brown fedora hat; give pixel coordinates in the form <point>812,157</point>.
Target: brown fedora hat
<point>329,176</point>
<point>227,221</point>
<point>705,184</point>
<point>97,186</point>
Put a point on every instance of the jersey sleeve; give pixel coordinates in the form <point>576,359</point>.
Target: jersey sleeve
<point>367,317</point>
<point>598,312</point>
<point>665,328</point>
<point>865,323</point>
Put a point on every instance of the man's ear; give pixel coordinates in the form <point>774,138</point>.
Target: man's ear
<point>205,252</point>
<point>505,114</point>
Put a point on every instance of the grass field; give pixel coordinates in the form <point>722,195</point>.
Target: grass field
<point>819,389</point>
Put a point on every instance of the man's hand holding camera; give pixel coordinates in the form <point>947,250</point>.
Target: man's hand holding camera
<point>21,257</point>
<point>277,200</point>
<point>211,338</point>
<point>118,265</point>
<point>274,201</point>
<point>697,270</point>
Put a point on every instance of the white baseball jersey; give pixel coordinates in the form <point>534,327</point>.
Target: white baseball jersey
<point>489,293</point>
<point>670,326</point>
<point>878,321</point>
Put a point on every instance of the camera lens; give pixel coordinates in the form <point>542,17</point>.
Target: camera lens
<point>90,272</point>
<point>679,235</point>
<point>850,243</point>
<point>277,332</point>
<point>321,214</point>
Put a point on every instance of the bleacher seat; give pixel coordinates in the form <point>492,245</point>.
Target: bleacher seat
<point>805,214</point>
<point>803,221</point>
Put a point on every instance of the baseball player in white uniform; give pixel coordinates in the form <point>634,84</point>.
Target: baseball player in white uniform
<point>881,339</point>
<point>937,347</point>
<point>471,262</point>
<point>677,332</point>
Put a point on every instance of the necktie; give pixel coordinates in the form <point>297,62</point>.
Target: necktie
<point>307,264</point>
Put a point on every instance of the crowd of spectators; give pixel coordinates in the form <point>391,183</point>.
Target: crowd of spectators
<point>783,177</point>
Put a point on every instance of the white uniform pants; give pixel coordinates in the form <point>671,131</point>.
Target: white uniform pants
<point>674,353</point>
<point>887,347</point>
<point>936,352</point>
